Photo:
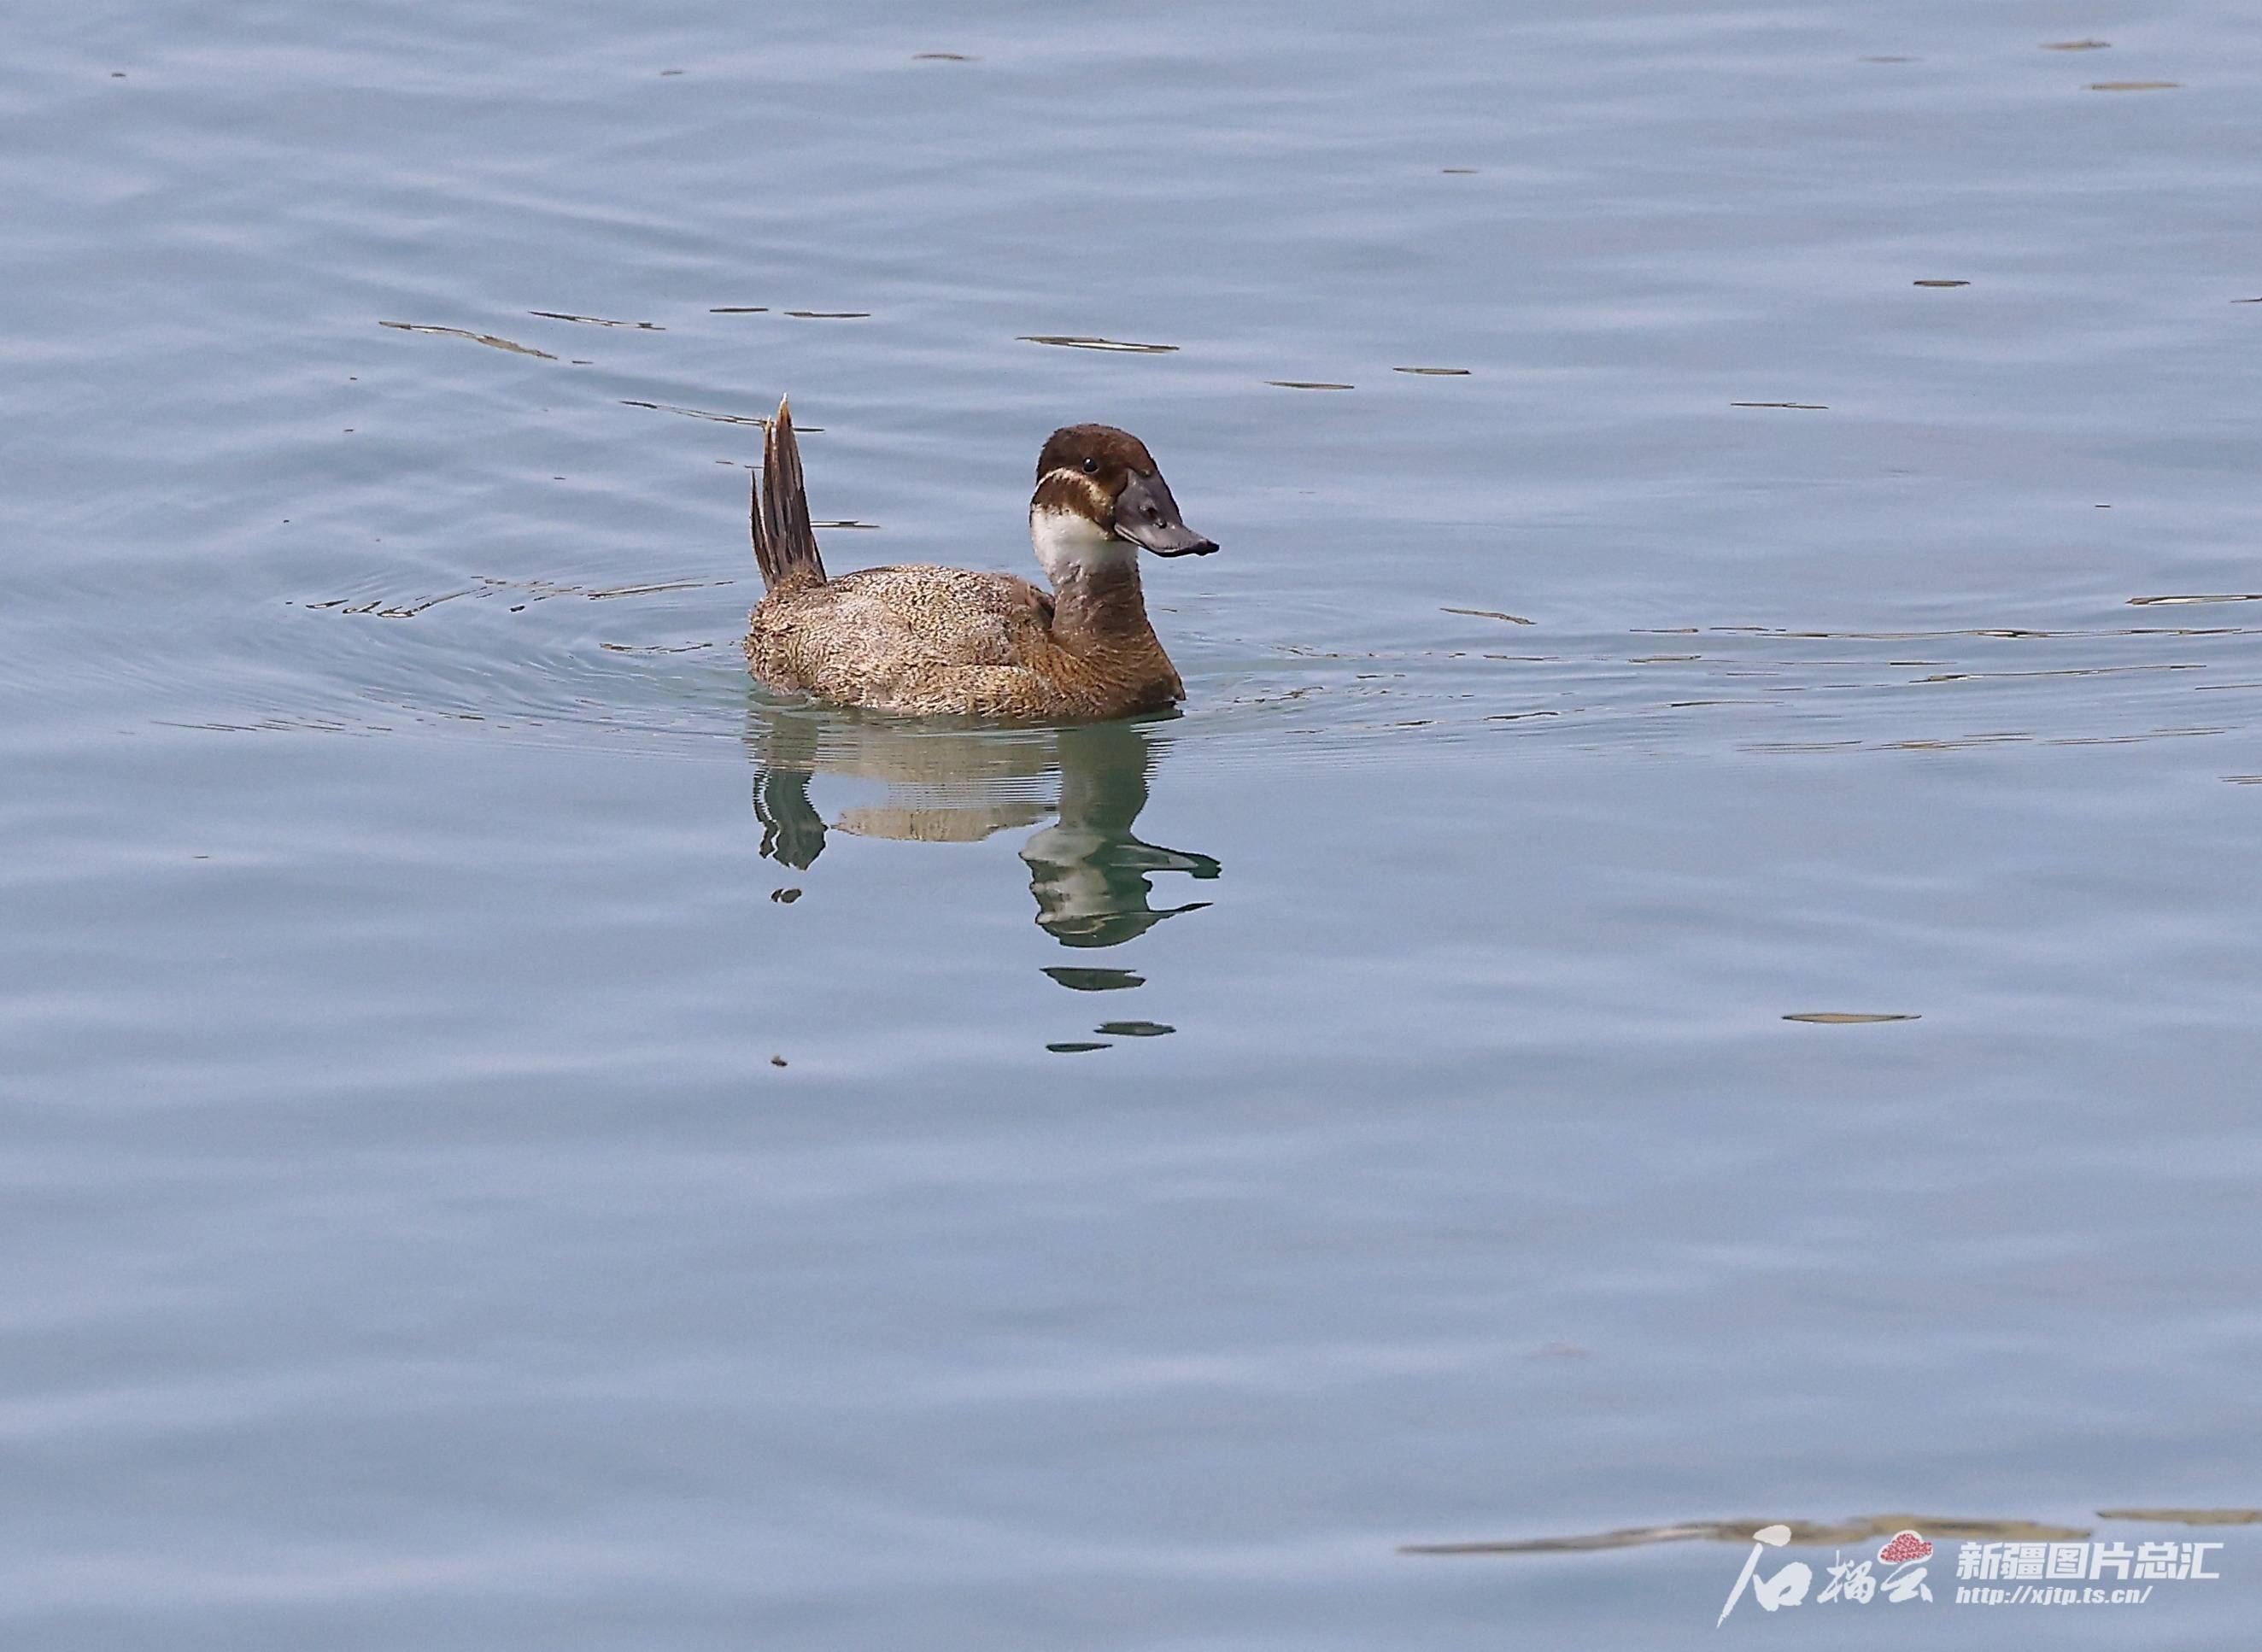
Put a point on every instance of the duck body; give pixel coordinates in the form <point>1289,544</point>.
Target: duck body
<point>922,639</point>
<point>928,640</point>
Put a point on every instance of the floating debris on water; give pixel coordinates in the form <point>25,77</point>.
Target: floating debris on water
<point>2059,671</point>
<point>2075,45</point>
<point>1434,373</point>
<point>655,588</point>
<point>2135,85</point>
<point>943,57</point>
<point>755,420</point>
<point>1488,613</point>
<point>829,315</point>
<point>596,320</point>
<point>1458,171</point>
<point>739,309</point>
<point>1075,1046</point>
<point>1845,1018</point>
<point>1094,980</point>
<point>532,590</point>
<point>488,339</point>
<point>1936,282</point>
<point>2186,1516</point>
<point>2012,633</point>
<point>1309,384</point>
<point>1807,1534</point>
<point>1803,407</point>
<point>2131,740</point>
<point>1135,1030</point>
<point>844,523</point>
<point>1070,341</point>
<point>2179,602</point>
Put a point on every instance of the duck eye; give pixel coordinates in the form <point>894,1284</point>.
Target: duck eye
<point>1091,467</point>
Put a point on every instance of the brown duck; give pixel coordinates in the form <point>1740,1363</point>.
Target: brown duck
<point>930,639</point>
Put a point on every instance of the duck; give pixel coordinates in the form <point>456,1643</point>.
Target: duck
<point>927,641</point>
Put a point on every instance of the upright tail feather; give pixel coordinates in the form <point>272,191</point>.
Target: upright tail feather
<point>785,545</point>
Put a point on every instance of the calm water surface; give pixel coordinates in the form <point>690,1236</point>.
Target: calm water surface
<point>514,1138</point>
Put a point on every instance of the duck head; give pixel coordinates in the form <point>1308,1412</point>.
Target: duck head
<point>1100,497</point>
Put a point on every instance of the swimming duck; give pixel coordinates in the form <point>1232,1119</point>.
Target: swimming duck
<point>930,639</point>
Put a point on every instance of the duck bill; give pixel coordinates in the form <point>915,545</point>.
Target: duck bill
<point>1147,515</point>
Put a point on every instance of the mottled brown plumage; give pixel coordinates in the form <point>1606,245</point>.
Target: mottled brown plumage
<point>925,640</point>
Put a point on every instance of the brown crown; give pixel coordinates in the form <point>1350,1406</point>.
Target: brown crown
<point>1113,451</point>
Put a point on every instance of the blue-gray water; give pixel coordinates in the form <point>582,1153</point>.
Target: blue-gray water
<point>409,1240</point>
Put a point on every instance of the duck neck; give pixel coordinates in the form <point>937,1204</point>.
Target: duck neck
<point>1097,599</point>
<point>1097,607</point>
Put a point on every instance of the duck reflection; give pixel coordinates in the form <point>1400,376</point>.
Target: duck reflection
<point>1089,871</point>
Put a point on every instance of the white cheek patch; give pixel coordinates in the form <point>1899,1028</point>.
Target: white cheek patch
<point>1070,544</point>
